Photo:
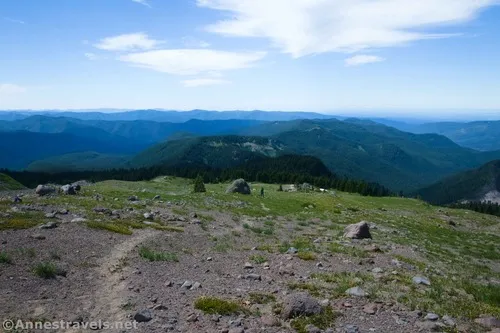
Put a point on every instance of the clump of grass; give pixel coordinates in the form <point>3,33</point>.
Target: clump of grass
<point>266,247</point>
<point>152,255</point>
<point>24,221</point>
<point>113,227</point>
<point>261,231</point>
<point>311,288</point>
<point>342,281</point>
<point>5,258</point>
<point>214,305</point>
<point>45,270</point>
<point>27,252</point>
<point>349,250</point>
<point>258,259</point>
<point>306,255</point>
<point>322,320</point>
<point>261,298</point>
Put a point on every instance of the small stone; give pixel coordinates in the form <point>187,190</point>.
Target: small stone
<point>38,236</point>
<point>372,248</point>
<point>312,329</point>
<point>48,225</point>
<point>421,280</point>
<point>325,302</point>
<point>431,316</point>
<point>168,284</point>
<point>351,329</point>
<point>448,321</point>
<point>160,307</point>
<point>133,198</point>
<point>370,308</point>
<point>187,284</point>
<point>157,197</point>
<point>209,259</point>
<point>490,322</point>
<point>195,286</point>
<point>377,270</point>
<point>292,250</point>
<point>248,265</point>
<point>143,316</point>
<point>17,199</point>
<point>50,215</point>
<point>268,320</point>
<point>356,291</point>
<point>78,220</point>
<point>149,216</point>
<point>347,305</point>
<point>319,265</point>
<point>192,318</point>
<point>255,277</point>
<point>300,304</point>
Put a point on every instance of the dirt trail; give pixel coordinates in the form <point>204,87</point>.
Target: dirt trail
<point>109,297</point>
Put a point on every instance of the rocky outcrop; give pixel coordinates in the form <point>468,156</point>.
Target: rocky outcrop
<point>239,186</point>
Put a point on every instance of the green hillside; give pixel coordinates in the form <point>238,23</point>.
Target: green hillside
<point>468,185</point>
<point>7,183</point>
<point>214,151</point>
<point>79,162</point>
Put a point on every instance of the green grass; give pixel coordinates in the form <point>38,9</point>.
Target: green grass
<point>22,220</point>
<point>313,289</point>
<point>323,320</point>
<point>109,226</point>
<point>214,305</point>
<point>342,281</point>
<point>261,298</point>
<point>306,255</point>
<point>5,258</point>
<point>268,230</point>
<point>351,251</point>
<point>152,255</point>
<point>46,270</point>
<point>7,183</point>
<point>258,259</point>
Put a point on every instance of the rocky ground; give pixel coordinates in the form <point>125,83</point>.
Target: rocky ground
<point>173,261</point>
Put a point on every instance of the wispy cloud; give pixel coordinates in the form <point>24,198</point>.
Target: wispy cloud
<point>13,20</point>
<point>143,2</point>
<point>11,89</point>
<point>128,42</point>
<point>193,83</point>
<point>304,27</point>
<point>362,59</point>
<point>192,61</point>
<point>191,42</point>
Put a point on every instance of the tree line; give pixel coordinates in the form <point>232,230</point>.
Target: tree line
<point>287,169</point>
<point>489,207</point>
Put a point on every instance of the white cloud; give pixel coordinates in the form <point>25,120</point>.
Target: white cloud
<point>11,89</point>
<point>128,42</point>
<point>362,59</point>
<point>13,20</point>
<point>192,61</point>
<point>191,42</point>
<point>303,27</point>
<point>192,83</point>
<point>143,2</point>
<point>91,56</point>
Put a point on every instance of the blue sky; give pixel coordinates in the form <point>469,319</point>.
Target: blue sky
<point>394,56</point>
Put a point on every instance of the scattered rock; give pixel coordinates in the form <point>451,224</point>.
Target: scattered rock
<point>102,210</point>
<point>187,284</point>
<point>356,291</point>
<point>209,259</point>
<point>133,198</point>
<point>192,318</point>
<point>431,316</point>
<point>68,190</point>
<point>421,280</point>
<point>48,225</point>
<point>50,215</point>
<point>351,329</point>
<point>42,190</point>
<point>38,236</point>
<point>255,277</point>
<point>78,220</point>
<point>239,186</point>
<point>310,328</point>
<point>149,216</point>
<point>195,286</point>
<point>372,248</point>
<point>448,321</point>
<point>268,320</point>
<point>237,330</point>
<point>300,304</point>
<point>160,307</point>
<point>157,197</point>
<point>248,265</point>
<point>143,316</point>
<point>377,270</point>
<point>357,231</point>
<point>490,322</point>
<point>452,223</point>
<point>371,308</point>
<point>292,250</point>
<point>17,199</point>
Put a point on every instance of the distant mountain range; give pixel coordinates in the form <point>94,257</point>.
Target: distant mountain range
<point>167,116</point>
<point>481,184</point>
<point>356,148</point>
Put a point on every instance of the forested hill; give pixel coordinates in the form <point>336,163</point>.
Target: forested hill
<point>474,185</point>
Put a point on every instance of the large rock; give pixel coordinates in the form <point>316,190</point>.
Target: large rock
<point>42,190</point>
<point>300,304</point>
<point>358,231</point>
<point>68,189</point>
<point>239,186</point>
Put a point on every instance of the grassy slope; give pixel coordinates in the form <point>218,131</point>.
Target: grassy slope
<point>7,183</point>
<point>458,260</point>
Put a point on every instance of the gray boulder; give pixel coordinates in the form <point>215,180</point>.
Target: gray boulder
<point>239,186</point>
<point>143,316</point>
<point>42,190</point>
<point>68,189</point>
<point>300,304</point>
<point>358,231</point>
